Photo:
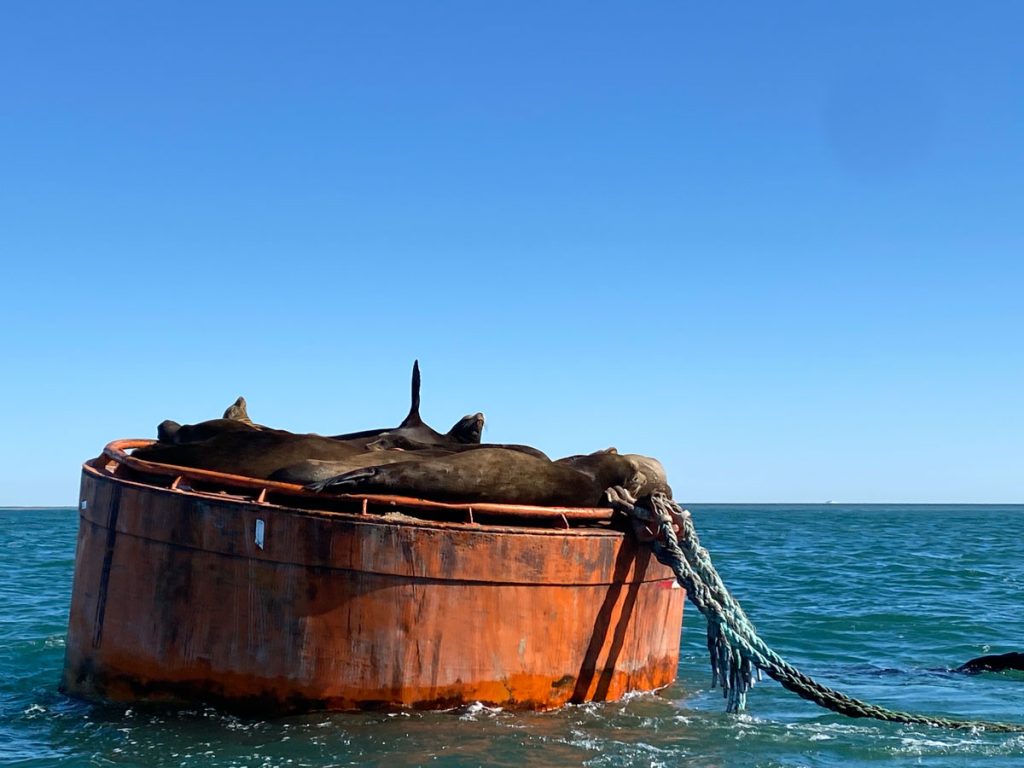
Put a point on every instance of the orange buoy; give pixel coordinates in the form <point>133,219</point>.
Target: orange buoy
<point>192,586</point>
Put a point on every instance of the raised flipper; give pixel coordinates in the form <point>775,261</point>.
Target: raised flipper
<point>413,419</point>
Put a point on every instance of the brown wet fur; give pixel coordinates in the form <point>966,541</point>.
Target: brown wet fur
<point>488,474</point>
<point>500,475</point>
<point>252,453</point>
<point>397,441</point>
<point>316,470</point>
<point>640,475</point>
<point>178,434</point>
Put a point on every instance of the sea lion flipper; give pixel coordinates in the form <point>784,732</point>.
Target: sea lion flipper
<point>392,442</point>
<point>413,419</point>
<point>346,478</point>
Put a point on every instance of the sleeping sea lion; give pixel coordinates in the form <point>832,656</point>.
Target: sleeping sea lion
<point>316,470</point>
<point>252,453</point>
<point>500,475</point>
<point>177,434</point>
<point>643,475</point>
<point>235,419</point>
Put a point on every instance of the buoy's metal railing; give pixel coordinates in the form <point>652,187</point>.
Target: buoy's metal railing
<point>117,453</point>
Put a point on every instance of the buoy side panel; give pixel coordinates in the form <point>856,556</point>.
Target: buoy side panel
<point>175,598</point>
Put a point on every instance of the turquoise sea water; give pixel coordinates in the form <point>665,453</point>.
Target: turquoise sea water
<point>874,600</point>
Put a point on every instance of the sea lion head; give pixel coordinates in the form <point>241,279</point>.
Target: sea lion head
<point>237,411</point>
<point>166,431</point>
<point>468,429</point>
<point>648,476</point>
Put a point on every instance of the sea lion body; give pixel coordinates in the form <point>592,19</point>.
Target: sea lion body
<point>317,470</point>
<point>999,662</point>
<point>400,442</point>
<point>640,475</point>
<point>253,453</point>
<point>504,476</point>
<point>486,475</point>
<point>179,434</point>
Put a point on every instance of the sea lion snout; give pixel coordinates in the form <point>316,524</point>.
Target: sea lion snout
<point>649,476</point>
<point>238,411</point>
<point>468,429</point>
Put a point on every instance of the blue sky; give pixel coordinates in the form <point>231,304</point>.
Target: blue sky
<point>778,246</point>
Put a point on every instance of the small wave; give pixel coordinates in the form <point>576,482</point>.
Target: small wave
<point>478,709</point>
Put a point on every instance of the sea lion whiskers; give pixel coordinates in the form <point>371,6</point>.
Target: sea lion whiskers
<point>468,429</point>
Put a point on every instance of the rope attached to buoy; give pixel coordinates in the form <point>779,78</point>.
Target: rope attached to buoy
<point>738,653</point>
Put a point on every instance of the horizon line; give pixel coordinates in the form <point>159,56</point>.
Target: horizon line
<point>72,507</point>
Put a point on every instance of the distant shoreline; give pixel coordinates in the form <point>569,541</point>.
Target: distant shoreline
<point>60,508</point>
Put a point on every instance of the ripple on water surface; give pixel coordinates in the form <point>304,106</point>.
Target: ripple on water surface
<point>879,602</point>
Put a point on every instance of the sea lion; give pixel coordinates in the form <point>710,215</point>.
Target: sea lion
<point>177,434</point>
<point>235,419</point>
<point>397,441</point>
<point>500,475</point>
<point>643,475</point>
<point>466,430</point>
<point>999,662</point>
<point>249,452</point>
<point>166,430</point>
<point>238,411</point>
<point>316,470</point>
<point>465,433</point>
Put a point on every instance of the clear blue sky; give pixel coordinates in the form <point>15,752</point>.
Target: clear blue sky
<point>779,246</point>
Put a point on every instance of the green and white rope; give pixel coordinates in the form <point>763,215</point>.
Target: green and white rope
<point>737,652</point>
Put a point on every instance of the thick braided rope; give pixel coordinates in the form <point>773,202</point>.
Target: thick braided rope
<point>736,648</point>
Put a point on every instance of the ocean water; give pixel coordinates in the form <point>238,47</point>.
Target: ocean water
<point>877,601</point>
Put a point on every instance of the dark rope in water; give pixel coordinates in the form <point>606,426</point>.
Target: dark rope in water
<point>737,652</point>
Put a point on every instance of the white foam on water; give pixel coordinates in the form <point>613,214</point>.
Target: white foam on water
<point>478,709</point>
